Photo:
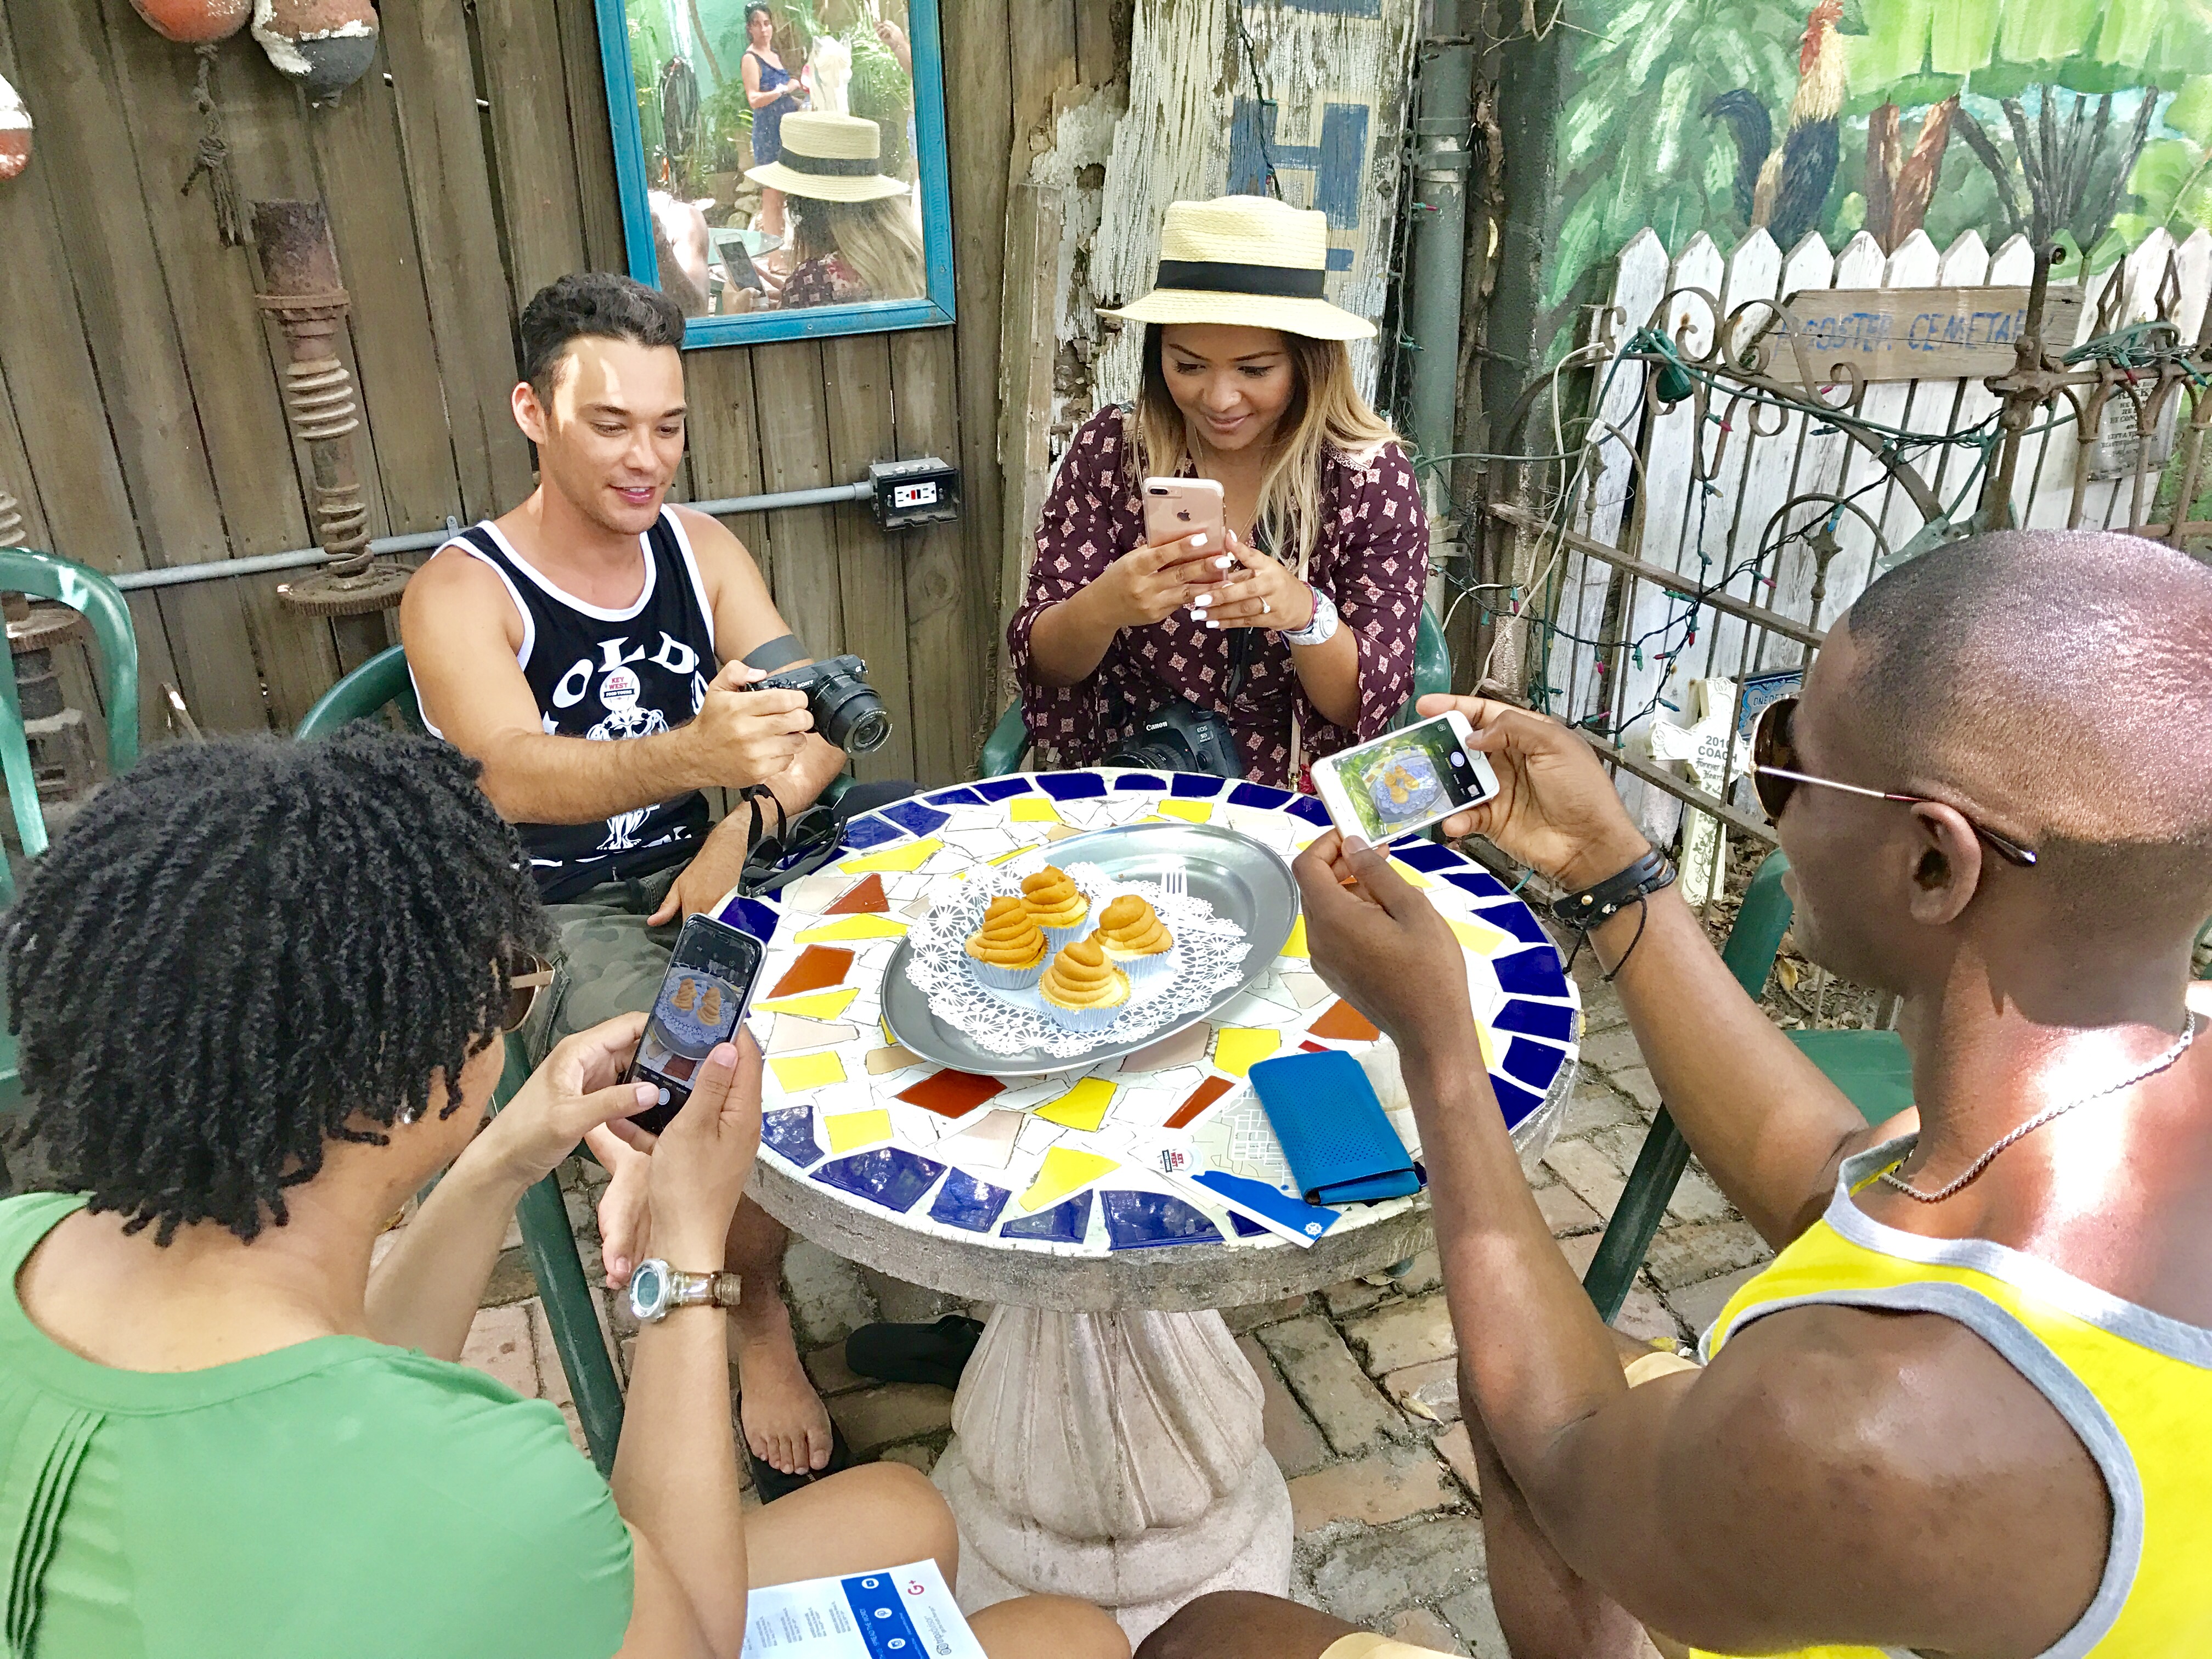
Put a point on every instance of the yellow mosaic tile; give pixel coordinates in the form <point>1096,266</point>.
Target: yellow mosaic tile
<point>1191,811</point>
<point>853,928</point>
<point>848,1130</point>
<point>1064,1171</point>
<point>799,1073</point>
<point>1478,937</point>
<point>1083,1107</point>
<point>815,1004</point>
<point>905,856</point>
<point>1239,1048</point>
<point>1034,809</point>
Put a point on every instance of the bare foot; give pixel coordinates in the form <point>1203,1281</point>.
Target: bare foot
<point>786,1423</point>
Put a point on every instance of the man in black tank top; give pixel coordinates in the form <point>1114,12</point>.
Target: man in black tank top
<point>586,649</point>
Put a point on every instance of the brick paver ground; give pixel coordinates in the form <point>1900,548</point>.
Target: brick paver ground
<point>1362,1411</point>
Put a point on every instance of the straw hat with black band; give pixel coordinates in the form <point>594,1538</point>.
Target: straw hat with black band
<point>830,158</point>
<point>1245,260</point>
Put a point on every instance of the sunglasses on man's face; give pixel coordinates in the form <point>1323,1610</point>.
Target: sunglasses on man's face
<point>1775,777</point>
<point>526,975</point>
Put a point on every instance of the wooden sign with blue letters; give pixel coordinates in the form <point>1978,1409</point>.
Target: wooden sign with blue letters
<point>1913,333</point>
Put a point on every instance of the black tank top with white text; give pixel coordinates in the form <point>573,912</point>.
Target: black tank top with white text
<point>607,675</point>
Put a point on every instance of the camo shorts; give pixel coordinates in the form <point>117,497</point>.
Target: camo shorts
<point>607,960</point>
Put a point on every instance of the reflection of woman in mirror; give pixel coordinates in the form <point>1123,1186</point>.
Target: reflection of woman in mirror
<point>774,93</point>
<point>852,233</point>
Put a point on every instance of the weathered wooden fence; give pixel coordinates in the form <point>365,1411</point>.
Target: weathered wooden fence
<point>1710,527</point>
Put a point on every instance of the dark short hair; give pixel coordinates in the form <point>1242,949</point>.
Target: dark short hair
<point>594,304</point>
<point>242,952</point>
<point>757,6</point>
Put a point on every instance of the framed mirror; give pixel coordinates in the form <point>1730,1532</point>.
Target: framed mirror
<point>782,162</point>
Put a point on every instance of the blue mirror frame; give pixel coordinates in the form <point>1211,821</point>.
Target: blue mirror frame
<point>935,182</point>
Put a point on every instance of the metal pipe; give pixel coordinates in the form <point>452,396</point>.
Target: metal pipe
<point>1444,120</point>
<point>728,507</point>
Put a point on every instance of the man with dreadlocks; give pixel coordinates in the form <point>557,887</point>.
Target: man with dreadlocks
<point>259,988</point>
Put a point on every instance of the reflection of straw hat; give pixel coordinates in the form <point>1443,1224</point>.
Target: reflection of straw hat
<point>1246,260</point>
<point>832,158</point>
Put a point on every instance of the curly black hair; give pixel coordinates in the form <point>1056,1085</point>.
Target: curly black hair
<point>242,950</point>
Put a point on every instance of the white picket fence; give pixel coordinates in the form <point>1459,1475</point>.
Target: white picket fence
<point>1699,497</point>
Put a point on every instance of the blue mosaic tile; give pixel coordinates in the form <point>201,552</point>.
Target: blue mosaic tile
<point>1480,883</point>
<point>1514,919</point>
<point>1531,973</point>
<point>888,1175</point>
<point>1246,1229</point>
<point>1427,856</point>
<point>1259,795</point>
<point>756,918</point>
<point>1138,1221</point>
<point>1514,1101</point>
<point>870,830</point>
<point>965,1202</point>
<point>790,1132</point>
<point>956,797</point>
<point>1197,786</point>
<point>999,788</point>
<point>1140,780</point>
<point>1533,1063</point>
<point>1063,1224</point>
<point>1554,1020</point>
<point>1310,808</point>
<point>912,815</point>
<point>1072,786</point>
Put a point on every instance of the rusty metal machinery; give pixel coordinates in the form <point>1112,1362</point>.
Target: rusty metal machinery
<point>300,289</point>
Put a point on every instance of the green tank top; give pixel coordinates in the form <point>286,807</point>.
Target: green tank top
<point>339,1498</point>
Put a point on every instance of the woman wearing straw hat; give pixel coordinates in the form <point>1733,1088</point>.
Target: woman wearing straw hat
<point>852,232</point>
<point>1300,632</point>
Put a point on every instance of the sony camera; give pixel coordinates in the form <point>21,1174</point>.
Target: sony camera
<point>1181,736</point>
<point>845,706</point>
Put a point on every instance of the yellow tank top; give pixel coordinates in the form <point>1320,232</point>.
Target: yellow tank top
<point>2134,1385</point>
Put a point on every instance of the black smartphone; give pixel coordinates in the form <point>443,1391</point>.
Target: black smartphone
<point>710,980</point>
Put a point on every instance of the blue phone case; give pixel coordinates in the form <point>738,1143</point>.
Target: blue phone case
<point>1339,1143</point>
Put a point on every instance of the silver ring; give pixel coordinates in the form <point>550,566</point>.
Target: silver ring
<point>1266,610</point>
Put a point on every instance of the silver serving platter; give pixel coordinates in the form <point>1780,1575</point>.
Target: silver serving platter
<point>1245,881</point>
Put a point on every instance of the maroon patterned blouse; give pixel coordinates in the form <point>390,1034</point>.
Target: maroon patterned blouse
<point>825,282</point>
<point>1371,557</point>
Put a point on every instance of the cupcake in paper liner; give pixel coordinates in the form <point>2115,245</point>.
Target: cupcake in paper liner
<point>1008,952</point>
<point>1083,991</point>
<point>1057,905</point>
<point>1134,937</point>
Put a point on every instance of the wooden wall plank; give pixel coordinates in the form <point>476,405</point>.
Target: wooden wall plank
<point>795,455</point>
<point>76,473</point>
<point>725,450</point>
<point>532,151</point>
<point>359,157</point>
<point>222,335</point>
<point>135,346</point>
<point>1100,29</point>
<point>471,311</point>
<point>870,584</point>
<point>976,46</point>
<point>949,657</point>
<point>598,199</point>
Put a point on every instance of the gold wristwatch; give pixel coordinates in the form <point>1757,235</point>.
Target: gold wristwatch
<point>656,1288</point>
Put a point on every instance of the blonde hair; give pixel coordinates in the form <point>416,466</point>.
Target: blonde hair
<point>876,240</point>
<point>1326,412</point>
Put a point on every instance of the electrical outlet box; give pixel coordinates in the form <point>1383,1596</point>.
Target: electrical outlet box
<point>917,492</point>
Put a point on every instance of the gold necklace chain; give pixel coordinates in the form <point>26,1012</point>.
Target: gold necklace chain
<point>2150,1070</point>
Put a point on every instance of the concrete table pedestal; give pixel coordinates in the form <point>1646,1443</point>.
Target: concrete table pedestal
<point>1115,1457</point>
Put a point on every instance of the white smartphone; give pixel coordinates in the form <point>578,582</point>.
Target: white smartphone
<point>1405,781</point>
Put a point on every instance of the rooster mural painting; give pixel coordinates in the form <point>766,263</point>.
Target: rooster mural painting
<point>1786,190</point>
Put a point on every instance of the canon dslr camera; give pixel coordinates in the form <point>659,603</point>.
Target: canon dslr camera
<point>1181,736</point>
<point>845,706</point>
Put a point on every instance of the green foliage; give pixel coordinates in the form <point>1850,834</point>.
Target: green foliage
<point>880,90</point>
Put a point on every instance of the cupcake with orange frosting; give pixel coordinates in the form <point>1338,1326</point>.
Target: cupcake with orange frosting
<point>1134,937</point>
<point>1008,952</point>
<point>1083,991</point>
<point>1057,905</point>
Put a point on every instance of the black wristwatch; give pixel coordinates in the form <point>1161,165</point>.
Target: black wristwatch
<point>1593,906</point>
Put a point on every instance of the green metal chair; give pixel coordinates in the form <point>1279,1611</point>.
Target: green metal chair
<point>26,570</point>
<point>548,1241</point>
<point>1008,746</point>
<point>1871,1068</point>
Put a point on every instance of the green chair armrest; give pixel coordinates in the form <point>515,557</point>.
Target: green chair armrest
<point>1872,1068</point>
<point>364,694</point>
<point>1006,747</point>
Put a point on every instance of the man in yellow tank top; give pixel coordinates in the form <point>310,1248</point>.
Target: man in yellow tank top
<point>1968,1409</point>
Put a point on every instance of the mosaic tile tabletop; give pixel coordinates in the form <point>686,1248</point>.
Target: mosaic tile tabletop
<point>1161,1147</point>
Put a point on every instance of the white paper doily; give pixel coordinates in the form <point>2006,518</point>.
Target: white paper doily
<point>1209,959</point>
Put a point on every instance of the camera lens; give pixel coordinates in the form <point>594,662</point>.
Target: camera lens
<point>1152,757</point>
<point>856,720</point>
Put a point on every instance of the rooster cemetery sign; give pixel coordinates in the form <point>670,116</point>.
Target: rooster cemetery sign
<point>1910,334</point>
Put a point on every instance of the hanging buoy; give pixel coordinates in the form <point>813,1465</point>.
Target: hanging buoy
<point>15,133</point>
<point>325,45</point>
<point>191,21</point>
